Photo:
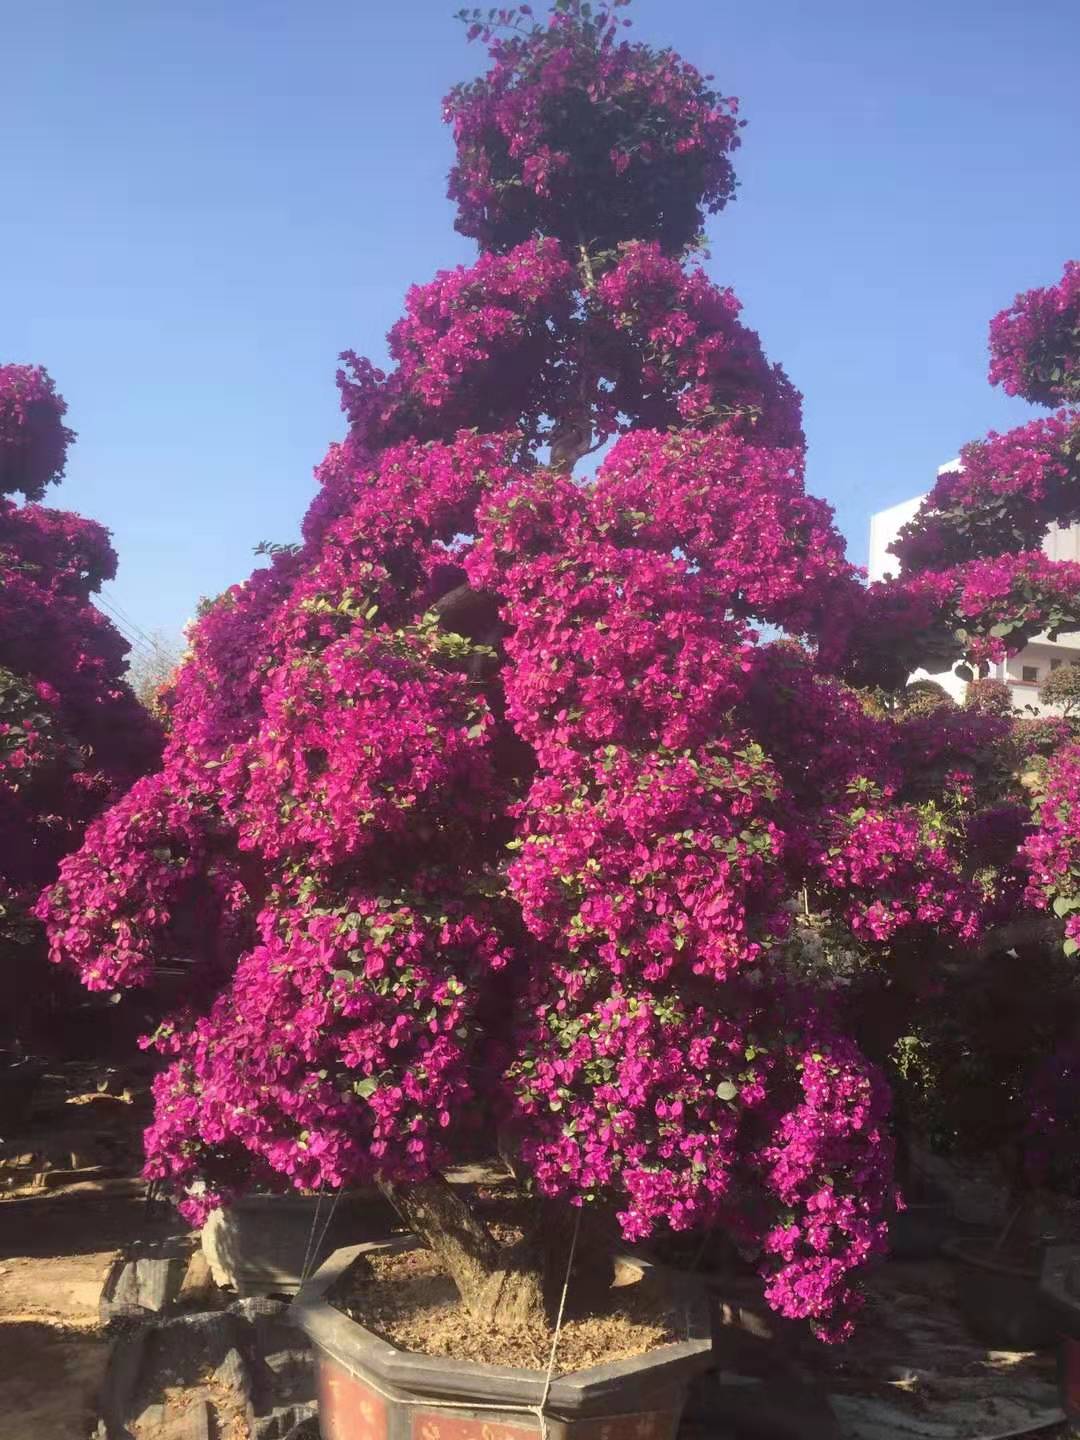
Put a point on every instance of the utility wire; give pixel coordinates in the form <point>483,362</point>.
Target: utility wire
<point>118,610</point>
<point>137,637</point>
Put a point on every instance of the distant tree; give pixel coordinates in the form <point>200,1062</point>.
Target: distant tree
<point>925,695</point>
<point>989,696</point>
<point>72,735</point>
<point>1062,688</point>
<point>151,668</point>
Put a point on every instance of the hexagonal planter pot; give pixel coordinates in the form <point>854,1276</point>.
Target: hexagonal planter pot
<point>370,1389</point>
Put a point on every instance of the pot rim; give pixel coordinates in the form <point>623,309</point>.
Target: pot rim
<point>968,1248</point>
<point>257,1199</point>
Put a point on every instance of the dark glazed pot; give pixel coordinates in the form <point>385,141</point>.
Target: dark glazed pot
<point>919,1231</point>
<point>259,1245</point>
<point>999,1297</point>
<point>369,1389</point>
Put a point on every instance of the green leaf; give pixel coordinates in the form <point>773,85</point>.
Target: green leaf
<point>1071,947</point>
<point>726,1090</point>
<point>1065,905</point>
<point>367,1087</point>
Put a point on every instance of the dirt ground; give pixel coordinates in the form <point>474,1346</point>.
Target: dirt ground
<point>56,1242</point>
<point>912,1371</point>
<point>54,1252</point>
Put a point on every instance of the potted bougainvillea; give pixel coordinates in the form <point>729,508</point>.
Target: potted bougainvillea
<point>1026,1040</point>
<point>502,794</point>
<point>72,736</point>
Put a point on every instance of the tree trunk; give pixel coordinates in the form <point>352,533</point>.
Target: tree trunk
<point>502,1288</point>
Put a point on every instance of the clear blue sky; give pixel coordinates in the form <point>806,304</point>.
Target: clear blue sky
<point>202,204</point>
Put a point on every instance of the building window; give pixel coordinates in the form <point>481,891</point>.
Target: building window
<point>1030,674</point>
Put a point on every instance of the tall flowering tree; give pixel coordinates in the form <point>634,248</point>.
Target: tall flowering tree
<point>72,736</point>
<point>492,803</point>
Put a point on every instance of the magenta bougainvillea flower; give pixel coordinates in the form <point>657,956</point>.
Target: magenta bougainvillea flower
<point>72,735</point>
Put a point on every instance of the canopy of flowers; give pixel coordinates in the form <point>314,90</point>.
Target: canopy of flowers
<point>72,736</point>
<point>494,800</point>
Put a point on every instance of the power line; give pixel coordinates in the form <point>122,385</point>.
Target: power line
<point>137,637</point>
<point>137,649</point>
<point>118,610</point>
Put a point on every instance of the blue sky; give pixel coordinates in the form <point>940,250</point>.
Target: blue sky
<point>201,205</point>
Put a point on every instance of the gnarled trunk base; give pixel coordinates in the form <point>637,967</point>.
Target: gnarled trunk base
<point>502,1287</point>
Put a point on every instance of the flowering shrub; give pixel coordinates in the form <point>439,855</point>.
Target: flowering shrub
<point>575,134</point>
<point>72,736</point>
<point>1035,344</point>
<point>488,804</point>
<point>1000,499</point>
<point>33,438</point>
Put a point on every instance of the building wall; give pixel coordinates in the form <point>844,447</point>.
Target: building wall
<point>1024,673</point>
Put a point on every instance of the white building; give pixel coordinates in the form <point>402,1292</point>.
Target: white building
<point>1026,673</point>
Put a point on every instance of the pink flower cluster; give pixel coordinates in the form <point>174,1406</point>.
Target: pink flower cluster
<point>1053,851</point>
<point>72,735</point>
<point>1035,343</point>
<point>678,338</point>
<point>631,340</point>
<point>829,1162</point>
<point>33,437</point>
<point>353,1032</point>
<point>576,134</point>
<point>476,346</point>
<point>116,896</point>
<point>892,874</point>
<point>1008,489</point>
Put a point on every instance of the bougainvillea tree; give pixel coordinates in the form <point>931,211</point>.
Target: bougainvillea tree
<point>498,796</point>
<point>72,737</point>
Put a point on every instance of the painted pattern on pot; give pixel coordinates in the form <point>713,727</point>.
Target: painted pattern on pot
<point>348,1409</point>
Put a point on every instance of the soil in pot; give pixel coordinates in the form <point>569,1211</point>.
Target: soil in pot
<point>408,1299</point>
<point>997,1291</point>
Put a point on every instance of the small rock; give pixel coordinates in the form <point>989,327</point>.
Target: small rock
<point>197,1289</point>
<point>307,1430</point>
<point>233,1374</point>
<point>191,1419</point>
<point>260,1368</point>
<point>145,1278</point>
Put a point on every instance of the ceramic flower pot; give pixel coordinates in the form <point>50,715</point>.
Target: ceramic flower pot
<point>919,1230</point>
<point>999,1296</point>
<point>260,1244</point>
<point>370,1389</point>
